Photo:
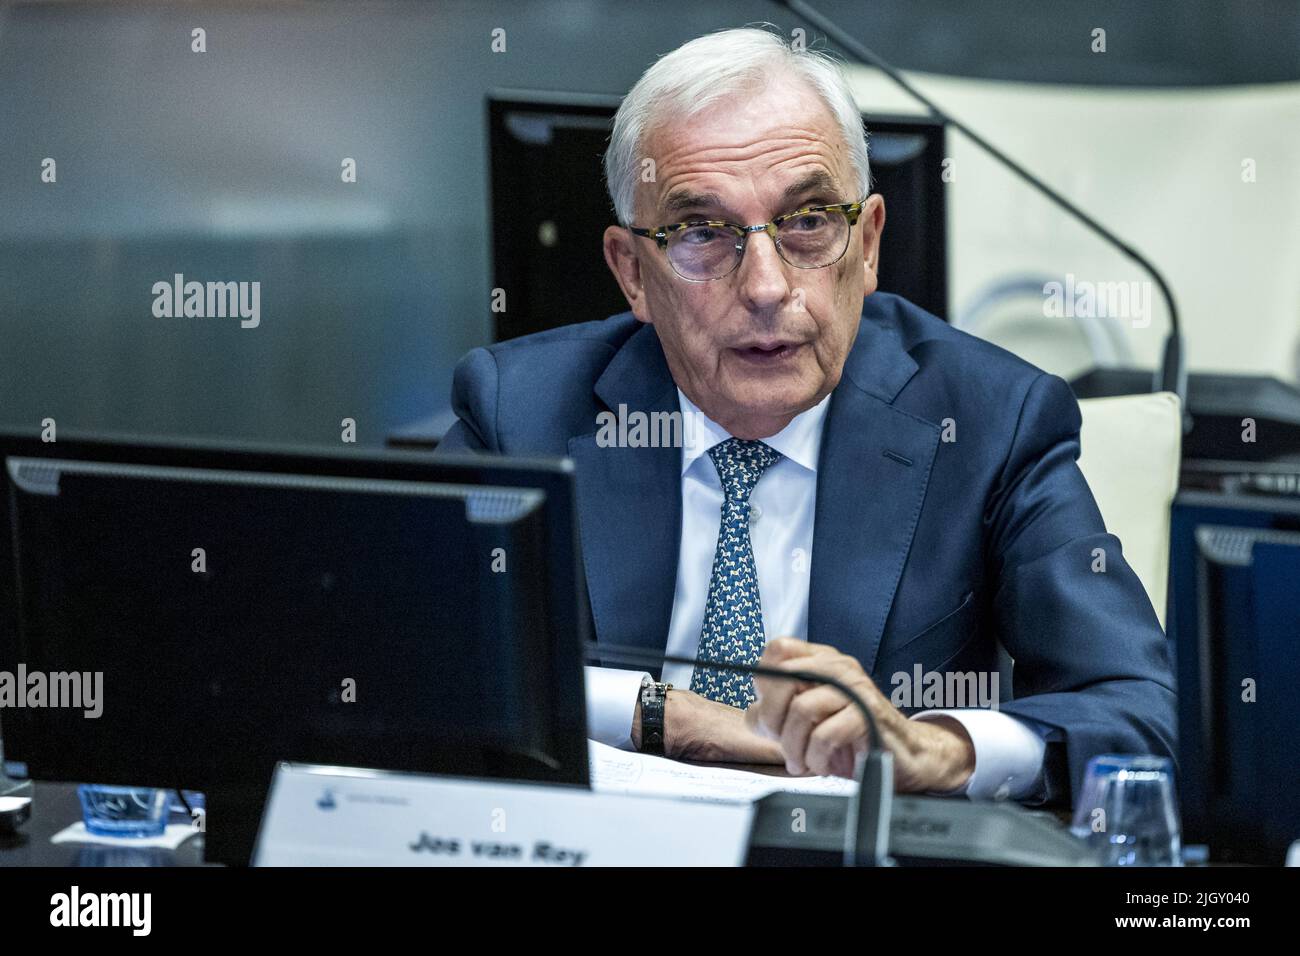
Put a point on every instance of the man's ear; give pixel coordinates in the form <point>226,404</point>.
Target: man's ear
<point>872,223</point>
<point>620,256</point>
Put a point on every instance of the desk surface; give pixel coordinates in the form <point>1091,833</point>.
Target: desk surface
<point>55,806</point>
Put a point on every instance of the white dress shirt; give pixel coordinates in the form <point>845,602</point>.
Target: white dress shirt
<point>1008,754</point>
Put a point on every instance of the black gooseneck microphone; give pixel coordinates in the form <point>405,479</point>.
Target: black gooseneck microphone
<point>866,834</point>
<point>1171,376</point>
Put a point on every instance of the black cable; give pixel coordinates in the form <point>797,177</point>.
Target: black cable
<point>1172,374</point>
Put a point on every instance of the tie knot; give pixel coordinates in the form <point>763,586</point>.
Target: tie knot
<point>740,463</point>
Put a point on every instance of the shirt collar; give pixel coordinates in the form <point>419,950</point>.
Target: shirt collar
<point>800,440</point>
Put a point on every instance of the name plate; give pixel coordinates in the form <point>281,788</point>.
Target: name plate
<point>336,816</point>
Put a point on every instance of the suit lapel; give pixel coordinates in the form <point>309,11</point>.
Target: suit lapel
<point>629,504</point>
<point>871,479</point>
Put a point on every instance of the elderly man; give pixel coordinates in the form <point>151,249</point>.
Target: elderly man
<point>885,497</point>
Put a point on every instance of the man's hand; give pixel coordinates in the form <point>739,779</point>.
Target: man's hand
<point>696,728</point>
<point>821,731</point>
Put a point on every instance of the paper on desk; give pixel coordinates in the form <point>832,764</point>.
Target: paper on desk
<point>173,835</point>
<point>621,771</point>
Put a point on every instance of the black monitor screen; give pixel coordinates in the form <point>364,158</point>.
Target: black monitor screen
<point>227,609</point>
<point>1235,625</point>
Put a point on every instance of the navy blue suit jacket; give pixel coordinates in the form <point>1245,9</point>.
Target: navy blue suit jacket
<point>925,551</point>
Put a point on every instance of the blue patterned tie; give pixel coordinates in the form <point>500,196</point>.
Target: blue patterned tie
<point>733,614</point>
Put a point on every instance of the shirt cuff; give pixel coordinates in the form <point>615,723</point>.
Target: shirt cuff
<point>612,693</point>
<point>1008,754</point>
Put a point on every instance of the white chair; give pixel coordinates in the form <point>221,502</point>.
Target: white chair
<point>1130,452</point>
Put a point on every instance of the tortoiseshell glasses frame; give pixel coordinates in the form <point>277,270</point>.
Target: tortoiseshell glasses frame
<point>704,250</point>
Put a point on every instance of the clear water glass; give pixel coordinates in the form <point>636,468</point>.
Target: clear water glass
<point>123,811</point>
<point>1127,811</point>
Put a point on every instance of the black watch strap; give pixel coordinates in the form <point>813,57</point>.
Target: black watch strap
<point>653,697</point>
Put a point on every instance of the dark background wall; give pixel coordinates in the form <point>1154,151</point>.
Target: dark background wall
<point>226,166</point>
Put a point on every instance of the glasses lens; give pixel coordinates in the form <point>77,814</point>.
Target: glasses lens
<point>813,240</point>
<point>704,252</point>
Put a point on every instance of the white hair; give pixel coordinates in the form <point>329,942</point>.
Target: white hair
<point>709,69</point>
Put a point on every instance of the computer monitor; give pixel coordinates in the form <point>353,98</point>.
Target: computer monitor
<point>1235,625</point>
<point>245,606</point>
<point>550,209</point>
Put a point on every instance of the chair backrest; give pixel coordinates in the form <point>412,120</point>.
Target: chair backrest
<point>1130,456</point>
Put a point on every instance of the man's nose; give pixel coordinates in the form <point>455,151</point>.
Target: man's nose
<point>763,282</point>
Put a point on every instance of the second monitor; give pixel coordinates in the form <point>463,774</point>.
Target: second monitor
<point>244,607</point>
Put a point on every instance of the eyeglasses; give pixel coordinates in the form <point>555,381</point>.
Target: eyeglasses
<point>706,249</point>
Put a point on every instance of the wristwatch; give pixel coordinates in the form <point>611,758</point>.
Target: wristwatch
<point>653,697</point>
